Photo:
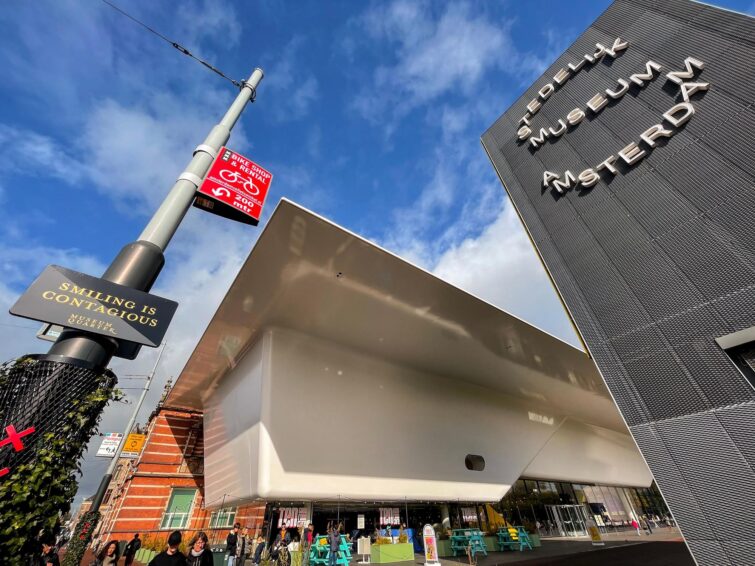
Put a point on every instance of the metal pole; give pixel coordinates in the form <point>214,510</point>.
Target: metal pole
<point>139,263</point>
<point>164,223</point>
<point>97,501</point>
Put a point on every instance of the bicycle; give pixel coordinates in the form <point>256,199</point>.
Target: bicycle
<point>236,177</point>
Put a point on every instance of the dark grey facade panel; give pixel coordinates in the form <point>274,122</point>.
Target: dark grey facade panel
<point>656,262</point>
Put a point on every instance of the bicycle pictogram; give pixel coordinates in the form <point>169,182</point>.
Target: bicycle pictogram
<point>235,177</point>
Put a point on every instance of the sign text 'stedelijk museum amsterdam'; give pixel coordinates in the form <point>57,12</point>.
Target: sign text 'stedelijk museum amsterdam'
<point>631,163</point>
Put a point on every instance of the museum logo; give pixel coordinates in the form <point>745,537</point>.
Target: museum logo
<point>671,121</point>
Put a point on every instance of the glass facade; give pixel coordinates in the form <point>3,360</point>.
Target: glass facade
<point>530,502</point>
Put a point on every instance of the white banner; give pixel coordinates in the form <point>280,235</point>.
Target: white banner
<point>469,514</point>
<point>389,516</point>
<point>291,517</point>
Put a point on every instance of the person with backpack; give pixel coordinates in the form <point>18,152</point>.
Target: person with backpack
<point>131,549</point>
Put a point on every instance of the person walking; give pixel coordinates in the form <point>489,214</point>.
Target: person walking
<point>231,543</point>
<point>199,554</point>
<point>171,556</point>
<point>334,540</point>
<point>259,549</point>
<point>636,526</point>
<point>646,524</point>
<point>131,549</point>
<point>109,555</point>
<point>305,540</point>
<point>241,547</point>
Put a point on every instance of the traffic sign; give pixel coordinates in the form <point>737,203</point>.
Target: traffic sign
<point>134,445</point>
<point>234,187</point>
<point>109,444</point>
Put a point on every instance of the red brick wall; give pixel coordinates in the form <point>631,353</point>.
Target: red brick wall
<point>172,457</point>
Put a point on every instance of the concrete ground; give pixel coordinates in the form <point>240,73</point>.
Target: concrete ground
<point>664,547</point>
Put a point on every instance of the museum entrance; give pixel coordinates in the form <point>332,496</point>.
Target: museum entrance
<point>569,520</point>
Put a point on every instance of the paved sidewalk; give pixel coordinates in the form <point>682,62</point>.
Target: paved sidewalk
<point>664,547</point>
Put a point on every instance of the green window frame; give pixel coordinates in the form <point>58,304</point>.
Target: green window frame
<point>222,518</point>
<point>179,507</point>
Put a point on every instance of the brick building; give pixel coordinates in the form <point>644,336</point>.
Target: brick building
<point>163,489</point>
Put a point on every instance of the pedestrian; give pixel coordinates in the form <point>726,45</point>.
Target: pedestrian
<point>49,554</point>
<point>334,539</point>
<point>284,537</point>
<point>231,543</point>
<point>636,526</point>
<point>259,550</point>
<point>199,554</point>
<point>308,537</point>
<point>305,542</point>
<point>171,556</point>
<point>131,549</point>
<point>241,547</point>
<point>646,524</point>
<point>109,555</point>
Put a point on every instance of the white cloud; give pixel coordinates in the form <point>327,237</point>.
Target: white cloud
<point>432,57</point>
<point>438,52</point>
<point>199,21</point>
<point>501,267</point>
<point>290,88</point>
<point>134,154</point>
<point>35,155</point>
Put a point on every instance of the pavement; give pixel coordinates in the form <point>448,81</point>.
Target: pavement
<point>665,547</point>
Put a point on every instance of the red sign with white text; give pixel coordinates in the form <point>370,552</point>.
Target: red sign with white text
<point>238,182</point>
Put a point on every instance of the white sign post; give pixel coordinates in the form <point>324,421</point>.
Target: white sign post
<point>110,444</point>
<point>431,546</point>
<point>363,549</point>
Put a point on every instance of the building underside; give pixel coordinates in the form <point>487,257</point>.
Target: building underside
<point>335,370</point>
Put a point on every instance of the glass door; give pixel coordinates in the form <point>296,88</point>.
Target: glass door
<point>568,520</point>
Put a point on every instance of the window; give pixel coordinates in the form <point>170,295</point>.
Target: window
<point>179,508</point>
<point>744,358</point>
<point>740,347</point>
<point>222,518</point>
<point>474,462</point>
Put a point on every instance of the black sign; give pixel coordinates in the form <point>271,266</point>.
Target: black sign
<point>75,300</point>
<point>222,209</point>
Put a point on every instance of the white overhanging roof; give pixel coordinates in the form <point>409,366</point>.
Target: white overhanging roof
<point>312,276</point>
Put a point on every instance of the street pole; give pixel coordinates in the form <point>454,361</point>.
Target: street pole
<point>139,263</point>
<point>107,478</point>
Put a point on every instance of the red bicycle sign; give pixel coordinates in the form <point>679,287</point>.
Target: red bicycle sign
<point>235,181</point>
<point>235,178</point>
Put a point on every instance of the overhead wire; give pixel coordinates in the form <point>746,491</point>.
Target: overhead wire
<point>179,47</point>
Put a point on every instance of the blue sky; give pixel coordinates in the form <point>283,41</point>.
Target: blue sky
<point>370,114</point>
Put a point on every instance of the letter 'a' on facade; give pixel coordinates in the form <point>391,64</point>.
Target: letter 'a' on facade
<point>656,261</point>
<point>333,368</point>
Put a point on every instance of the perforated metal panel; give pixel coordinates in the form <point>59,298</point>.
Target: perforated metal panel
<point>656,262</point>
